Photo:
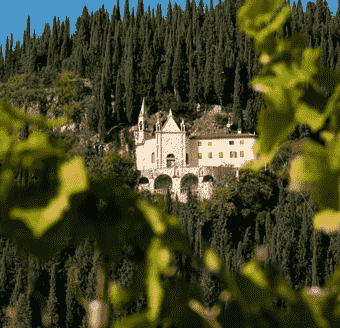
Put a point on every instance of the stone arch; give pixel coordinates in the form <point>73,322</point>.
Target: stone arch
<point>143,180</point>
<point>188,180</point>
<point>208,178</point>
<point>163,181</point>
<point>170,160</point>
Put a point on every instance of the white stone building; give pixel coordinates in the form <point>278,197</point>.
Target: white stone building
<point>170,158</point>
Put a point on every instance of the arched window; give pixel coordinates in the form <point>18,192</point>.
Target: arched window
<point>153,158</point>
<point>170,160</point>
<point>140,126</point>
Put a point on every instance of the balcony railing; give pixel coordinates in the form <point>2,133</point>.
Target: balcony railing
<point>194,189</point>
<point>162,191</point>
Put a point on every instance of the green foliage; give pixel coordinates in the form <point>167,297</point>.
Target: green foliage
<point>64,202</point>
<point>113,166</point>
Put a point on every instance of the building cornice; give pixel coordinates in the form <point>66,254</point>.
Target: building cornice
<point>224,136</point>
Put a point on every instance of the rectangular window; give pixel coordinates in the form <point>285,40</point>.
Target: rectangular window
<point>210,143</point>
<point>221,154</point>
<point>199,155</point>
<point>231,142</point>
<point>200,143</point>
<point>153,158</point>
<point>210,155</point>
<point>241,142</point>
<point>231,154</point>
<point>187,158</point>
<point>241,153</point>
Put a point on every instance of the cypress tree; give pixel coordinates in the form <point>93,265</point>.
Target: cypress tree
<point>330,258</point>
<point>105,106</point>
<point>24,312</point>
<point>200,56</point>
<point>191,215</point>
<point>74,311</point>
<point>119,100</point>
<point>219,75</point>
<point>80,62</point>
<point>331,55</point>
<point>257,233</point>
<point>44,44</point>
<point>247,245</point>
<point>166,77</point>
<point>168,202</point>
<point>148,68</point>
<point>2,65</point>
<point>314,259</point>
<point>27,40</point>
<point>250,119</point>
<point>159,87</point>
<point>126,18</point>
<point>92,284</point>
<point>83,43</point>
<point>93,112</point>
<point>19,287</point>
<point>130,69</point>
<point>83,260</point>
<point>209,71</point>
<point>53,57</point>
<point>51,316</point>
<point>237,107</point>
<point>302,256</point>
<point>98,40</point>
<point>176,207</point>
<point>177,69</point>
<point>116,58</point>
<point>11,64</point>
<point>8,60</point>
<point>239,260</point>
<point>32,60</point>
<point>193,85</point>
<point>66,43</point>
<point>324,49</point>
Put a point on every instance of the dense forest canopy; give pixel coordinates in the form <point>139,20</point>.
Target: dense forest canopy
<point>192,56</point>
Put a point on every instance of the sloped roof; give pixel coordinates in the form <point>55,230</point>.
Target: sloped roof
<point>170,124</point>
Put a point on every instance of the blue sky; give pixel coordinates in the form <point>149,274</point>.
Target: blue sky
<point>14,14</point>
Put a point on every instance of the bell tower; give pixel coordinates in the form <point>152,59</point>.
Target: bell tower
<point>142,125</point>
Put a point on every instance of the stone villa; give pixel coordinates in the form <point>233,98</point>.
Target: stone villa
<point>171,158</point>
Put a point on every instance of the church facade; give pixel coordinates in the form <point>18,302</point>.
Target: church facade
<point>172,159</point>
